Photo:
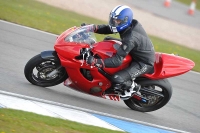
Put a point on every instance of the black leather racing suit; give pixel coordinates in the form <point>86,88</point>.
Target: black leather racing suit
<point>136,43</point>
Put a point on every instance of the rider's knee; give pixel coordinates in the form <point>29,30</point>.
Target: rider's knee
<point>121,77</point>
<point>117,79</point>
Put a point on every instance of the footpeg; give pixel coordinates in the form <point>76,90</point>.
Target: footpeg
<point>125,95</point>
<point>137,88</point>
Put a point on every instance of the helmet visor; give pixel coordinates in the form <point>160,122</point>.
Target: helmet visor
<point>116,21</point>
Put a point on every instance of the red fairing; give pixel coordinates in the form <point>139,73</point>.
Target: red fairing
<point>166,65</point>
<point>170,65</point>
<point>67,51</point>
<point>68,63</point>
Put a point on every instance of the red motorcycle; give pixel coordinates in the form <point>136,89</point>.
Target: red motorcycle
<point>67,64</point>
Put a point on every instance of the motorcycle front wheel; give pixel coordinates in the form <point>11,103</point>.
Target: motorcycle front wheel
<point>154,94</point>
<point>37,69</point>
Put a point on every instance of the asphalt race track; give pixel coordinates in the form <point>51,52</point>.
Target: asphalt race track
<point>18,44</point>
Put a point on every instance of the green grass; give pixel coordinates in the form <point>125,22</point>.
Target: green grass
<point>16,121</point>
<point>188,2</point>
<point>47,18</point>
<point>40,16</point>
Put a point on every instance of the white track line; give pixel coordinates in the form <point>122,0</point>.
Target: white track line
<point>28,28</point>
<point>88,110</point>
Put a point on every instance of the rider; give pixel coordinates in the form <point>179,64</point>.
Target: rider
<point>135,42</point>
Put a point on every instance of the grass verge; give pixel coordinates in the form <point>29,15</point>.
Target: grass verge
<point>16,121</point>
<point>47,18</point>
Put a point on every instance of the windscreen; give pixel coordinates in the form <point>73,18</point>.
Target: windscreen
<point>82,35</point>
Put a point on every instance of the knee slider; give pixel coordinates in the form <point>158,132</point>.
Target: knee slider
<point>117,79</point>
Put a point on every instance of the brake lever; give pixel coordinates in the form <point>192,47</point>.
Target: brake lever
<point>87,51</point>
<point>83,59</point>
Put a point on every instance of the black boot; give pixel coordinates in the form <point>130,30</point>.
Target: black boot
<point>117,88</point>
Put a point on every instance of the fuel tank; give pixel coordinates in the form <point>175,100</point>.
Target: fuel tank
<point>107,49</point>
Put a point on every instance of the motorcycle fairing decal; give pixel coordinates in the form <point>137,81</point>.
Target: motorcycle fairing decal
<point>111,97</point>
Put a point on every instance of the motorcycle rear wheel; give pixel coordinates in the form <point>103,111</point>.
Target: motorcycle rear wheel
<point>37,68</point>
<point>155,102</point>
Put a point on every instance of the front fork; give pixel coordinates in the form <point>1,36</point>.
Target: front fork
<point>54,72</point>
<point>52,55</point>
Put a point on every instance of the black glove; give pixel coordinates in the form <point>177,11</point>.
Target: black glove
<point>95,62</point>
<point>83,24</point>
<point>91,27</point>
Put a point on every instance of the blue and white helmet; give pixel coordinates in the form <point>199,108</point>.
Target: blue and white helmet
<point>120,18</point>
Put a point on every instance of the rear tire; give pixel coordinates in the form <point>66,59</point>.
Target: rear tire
<point>37,68</point>
<point>156,102</point>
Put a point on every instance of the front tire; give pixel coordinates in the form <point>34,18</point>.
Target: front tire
<point>37,68</point>
<point>155,102</point>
